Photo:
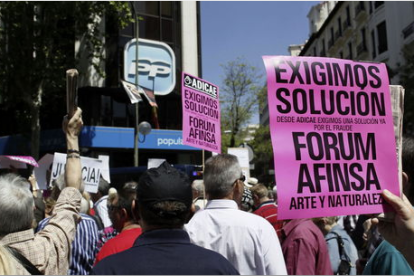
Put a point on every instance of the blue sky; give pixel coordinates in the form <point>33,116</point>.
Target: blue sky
<point>249,29</point>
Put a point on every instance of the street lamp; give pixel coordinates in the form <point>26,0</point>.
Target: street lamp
<point>144,128</point>
<point>136,135</point>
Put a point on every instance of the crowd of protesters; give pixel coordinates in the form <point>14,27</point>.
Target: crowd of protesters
<point>163,224</point>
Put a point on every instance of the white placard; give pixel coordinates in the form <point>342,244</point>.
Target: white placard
<point>40,173</point>
<point>154,162</point>
<point>242,155</point>
<point>105,167</point>
<point>91,171</point>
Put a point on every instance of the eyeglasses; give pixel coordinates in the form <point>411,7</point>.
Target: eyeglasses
<point>242,178</point>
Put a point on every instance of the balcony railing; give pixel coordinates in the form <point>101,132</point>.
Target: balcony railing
<point>330,43</point>
<point>408,30</point>
<point>359,8</point>
<point>337,35</point>
<point>322,53</point>
<point>361,48</point>
<point>346,26</point>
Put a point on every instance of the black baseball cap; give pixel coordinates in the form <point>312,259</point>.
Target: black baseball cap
<point>164,183</point>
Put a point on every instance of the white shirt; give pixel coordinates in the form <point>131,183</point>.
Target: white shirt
<point>101,209</point>
<point>248,241</point>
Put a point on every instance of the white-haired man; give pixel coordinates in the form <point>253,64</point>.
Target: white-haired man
<point>248,241</point>
<point>48,251</point>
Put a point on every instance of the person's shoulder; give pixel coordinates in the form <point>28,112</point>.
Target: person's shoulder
<point>42,223</point>
<point>208,257</point>
<point>255,221</point>
<point>386,248</point>
<point>387,260</point>
<point>115,263</point>
<point>307,231</point>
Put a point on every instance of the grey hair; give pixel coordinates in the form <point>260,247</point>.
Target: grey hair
<point>104,186</point>
<point>16,204</point>
<point>84,206</point>
<point>220,173</point>
<point>198,185</point>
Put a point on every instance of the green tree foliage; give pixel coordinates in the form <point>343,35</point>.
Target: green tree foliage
<point>263,151</point>
<point>407,81</point>
<point>37,46</point>
<point>238,98</point>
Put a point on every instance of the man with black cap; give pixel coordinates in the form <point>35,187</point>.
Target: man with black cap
<point>163,203</point>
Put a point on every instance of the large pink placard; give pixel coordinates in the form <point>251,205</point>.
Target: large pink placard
<point>201,113</point>
<point>332,135</point>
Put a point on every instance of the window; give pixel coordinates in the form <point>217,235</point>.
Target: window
<point>363,38</point>
<point>339,26</point>
<point>378,4</point>
<point>149,27</point>
<point>382,37</point>
<point>374,46</point>
<point>350,56</point>
<point>323,53</point>
<point>341,54</point>
<point>332,38</point>
<point>314,51</point>
<point>148,7</point>
<point>166,9</point>
<point>362,46</point>
<point>348,16</point>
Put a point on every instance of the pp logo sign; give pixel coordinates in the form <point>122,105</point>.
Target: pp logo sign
<point>152,68</point>
<point>156,65</point>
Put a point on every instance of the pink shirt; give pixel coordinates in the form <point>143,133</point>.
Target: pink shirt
<point>304,249</point>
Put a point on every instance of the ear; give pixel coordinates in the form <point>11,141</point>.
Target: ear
<point>238,191</point>
<point>124,213</point>
<point>405,181</point>
<point>135,210</point>
<point>193,209</point>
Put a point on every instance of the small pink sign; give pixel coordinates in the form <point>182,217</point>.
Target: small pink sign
<point>201,114</point>
<point>17,161</point>
<point>332,134</point>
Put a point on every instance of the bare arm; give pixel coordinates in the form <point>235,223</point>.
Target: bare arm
<point>72,129</point>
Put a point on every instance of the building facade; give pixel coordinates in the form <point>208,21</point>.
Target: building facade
<point>362,31</point>
<point>377,31</point>
<point>109,117</point>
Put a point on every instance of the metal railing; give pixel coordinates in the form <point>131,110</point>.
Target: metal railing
<point>361,48</point>
<point>359,8</point>
<point>408,30</point>
<point>330,43</point>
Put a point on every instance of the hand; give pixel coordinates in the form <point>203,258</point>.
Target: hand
<point>73,126</point>
<point>32,180</point>
<point>400,231</point>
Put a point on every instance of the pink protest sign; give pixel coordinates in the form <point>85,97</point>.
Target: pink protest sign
<point>201,114</point>
<point>19,162</point>
<point>332,135</point>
